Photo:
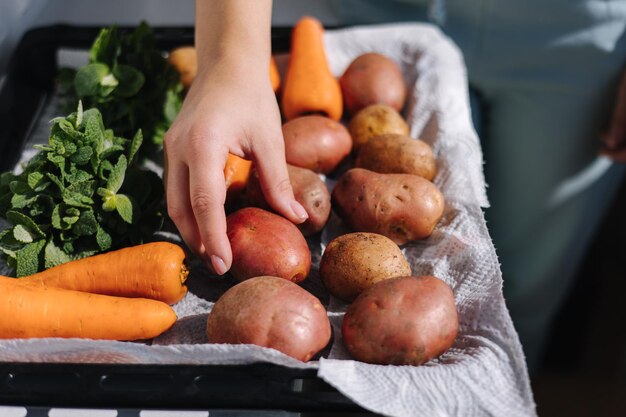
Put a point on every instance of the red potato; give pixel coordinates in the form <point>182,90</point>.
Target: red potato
<point>316,142</point>
<point>401,321</point>
<point>265,243</point>
<point>271,312</point>
<point>308,189</point>
<point>402,207</point>
<point>373,79</point>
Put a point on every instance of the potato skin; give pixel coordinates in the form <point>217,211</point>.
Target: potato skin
<point>353,262</point>
<point>373,79</point>
<point>375,120</point>
<point>397,154</point>
<point>402,207</point>
<point>316,142</point>
<point>308,189</point>
<point>265,243</point>
<point>271,312</point>
<point>401,321</point>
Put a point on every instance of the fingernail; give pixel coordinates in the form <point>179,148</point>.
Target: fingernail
<point>218,265</point>
<point>298,210</point>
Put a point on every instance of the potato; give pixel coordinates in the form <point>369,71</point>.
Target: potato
<point>402,207</point>
<point>375,120</point>
<point>354,262</point>
<point>316,142</point>
<point>271,312</point>
<point>308,189</point>
<point>397,154</point>
<point>265,243</point>
<point>372,79</point>
<point>185,62</point>
<point>401,321</point>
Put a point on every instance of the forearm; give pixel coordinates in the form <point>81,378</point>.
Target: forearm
<point>234,31</point>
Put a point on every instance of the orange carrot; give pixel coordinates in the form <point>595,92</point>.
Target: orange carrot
<point>185,62</point>
<point>310,87</point>
<point>274,75</point>
<point>153,270</point>
<point>41,311</point>
<point>236,174</point>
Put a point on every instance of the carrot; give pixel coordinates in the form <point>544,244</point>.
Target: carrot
<point>274,75</point>
<point>310,87</point>
<point>41,311</point>
<point>236,174</point>
<point>185,62</point>
<point>152,270</point>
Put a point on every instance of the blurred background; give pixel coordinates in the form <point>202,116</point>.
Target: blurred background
<point>584,369</point>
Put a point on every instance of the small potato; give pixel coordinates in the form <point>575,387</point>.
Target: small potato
<point>265,243</point>
<point>397,154</point>
<point>271,312</point>
<point>373,79</point>
<point>375,120</point>
<point>402,207</point>
<point>185,62</point>
<point>308,189</point>
<point>316,142</point>
<point>354,262</point>
<point>401,321</point>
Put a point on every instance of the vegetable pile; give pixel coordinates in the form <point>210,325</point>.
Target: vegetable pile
<point>130,81</point>
<point>82,194</point>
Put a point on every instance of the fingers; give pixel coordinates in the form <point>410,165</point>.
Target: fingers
<point>195,193</point>
<point>179,209</point>
<point>207,194</point>
<point>269,159</point>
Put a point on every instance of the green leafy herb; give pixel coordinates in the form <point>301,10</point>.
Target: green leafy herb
<point>131,83</point>
<point>83,193</point>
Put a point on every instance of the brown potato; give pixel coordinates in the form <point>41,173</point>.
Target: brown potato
<point>308,189</point>
<point>271,312</point>
<point>401,321</point>
<point>265,243</point>
<point>402,207</point>
<point>397,154</point>
<point>354,262</point>
<point>185,62</point>
<point>373,79</point>
<point>316,142</point>
<point>375,120</point>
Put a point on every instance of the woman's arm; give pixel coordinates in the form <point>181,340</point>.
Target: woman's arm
<point>230,107</point>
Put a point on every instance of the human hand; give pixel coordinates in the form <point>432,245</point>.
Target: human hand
<point>614,138</point>
<point>230,108</point>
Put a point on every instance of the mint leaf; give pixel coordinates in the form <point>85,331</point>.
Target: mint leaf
<point>86,225</point>
<point>135,145</point>
<point>106,46</point>
<point>124,207</point>
<point>103,238</point>
<point>82,155</point>
<point>53,255</point>
<point>18,218</point>
<point>116,177</point>
<point>22,234</point>
<point>34,178</point>
<point>89,79</point>
<point>130,80</point>
<point>28,258</point>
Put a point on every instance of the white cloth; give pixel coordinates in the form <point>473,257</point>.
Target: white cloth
<point>484,374</point>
